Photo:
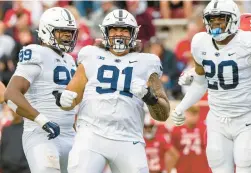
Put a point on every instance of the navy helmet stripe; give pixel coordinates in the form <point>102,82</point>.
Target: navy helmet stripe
<point>69,16</point>
<point>215,4</point>
<point>120,15</point>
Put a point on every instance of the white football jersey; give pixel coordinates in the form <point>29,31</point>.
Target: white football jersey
<point>228,72</point>
<point>54,74</point>
<point>107,102</point>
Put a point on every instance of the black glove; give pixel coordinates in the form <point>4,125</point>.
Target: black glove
<point>57,96</point>
<point>52,128</point>
<point>150,98</point>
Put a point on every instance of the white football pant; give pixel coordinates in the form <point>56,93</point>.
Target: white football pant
<point>90,152</point>
<point>47,156</point>
<point>229,144</point>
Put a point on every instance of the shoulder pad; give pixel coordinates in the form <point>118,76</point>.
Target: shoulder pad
<point>196,43</point>
<point>30,55</point>
<point>154,64</point>
<point>85,52</point>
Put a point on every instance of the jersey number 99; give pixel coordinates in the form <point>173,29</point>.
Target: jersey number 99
<point>62,70</point>
<point>25,55</point>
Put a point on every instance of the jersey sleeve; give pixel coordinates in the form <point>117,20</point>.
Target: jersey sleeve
<point>155,65</point>
<point>30,63</point>
<point>196,41</point>
<point>84,54</point>
<point>245,41</point>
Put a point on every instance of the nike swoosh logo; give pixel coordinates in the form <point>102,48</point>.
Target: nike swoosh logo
<point>135,142</point>
<point>132,61</point>
<point>230,54</point>
<point>248,124</point>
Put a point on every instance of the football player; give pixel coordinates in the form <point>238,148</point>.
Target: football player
<point>158,150</point>
<point>42,69</point>
<point>189,139</point>
<point>114,81</point>
<point>223,66</point>
<point>186,77</point>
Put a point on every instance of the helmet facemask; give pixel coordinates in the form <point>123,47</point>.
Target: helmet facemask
<point>220,32</point>
<point>61,42</point>
<point>119,43</point>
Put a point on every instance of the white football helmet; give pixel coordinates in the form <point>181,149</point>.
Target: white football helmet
<point>61,19</point>
<point>119,18</point>
<point>223,8</point>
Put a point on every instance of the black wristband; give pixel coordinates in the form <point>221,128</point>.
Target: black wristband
<point>57,96</point>
<point>150,98</point>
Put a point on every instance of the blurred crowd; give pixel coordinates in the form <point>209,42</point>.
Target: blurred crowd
<point>182,147</point>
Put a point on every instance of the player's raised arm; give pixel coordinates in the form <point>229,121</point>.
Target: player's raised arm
<point>2,89</point>
<point>156,99</point>
<point>195,92</point>
<point>73,94</point>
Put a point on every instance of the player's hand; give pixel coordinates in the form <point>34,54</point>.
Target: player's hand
<point>177,118</point>
<point>138,88</point>
<point>65,99</point>
<point>52,128</point>
<point>186,78</point>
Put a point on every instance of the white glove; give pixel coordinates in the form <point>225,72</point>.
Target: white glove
<point>178,118</point>
<point>67,98</point>
<point>186,77</point>
<point>138,88</point>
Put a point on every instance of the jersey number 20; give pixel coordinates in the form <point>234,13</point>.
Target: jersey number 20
<point>113,80</point>
<point>211,74</point>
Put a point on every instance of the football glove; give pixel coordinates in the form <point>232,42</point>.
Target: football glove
<point>64,99</point>
<point>52,128</point>
<point>178,118</point>
<point>140,90</point>
<point>186,78</point>
<point>150,98</point>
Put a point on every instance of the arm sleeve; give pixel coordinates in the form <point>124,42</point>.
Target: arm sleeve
<point>84,54</point>
<point>196,41</point>
<point>195,92</point>
<point>29,71</point>
<point>30,63</point>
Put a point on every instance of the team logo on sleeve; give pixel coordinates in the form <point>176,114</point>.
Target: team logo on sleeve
<point>101,57</point>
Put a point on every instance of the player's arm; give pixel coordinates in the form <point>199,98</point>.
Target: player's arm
<point>160,107</point>
<point>14,97</point>
<point>28,69</point>
<point>2,89</point>
<point>171,158</point>
<point>195,92</point>
<point>73,93</point>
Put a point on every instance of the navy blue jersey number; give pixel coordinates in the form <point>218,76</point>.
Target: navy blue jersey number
<point>24,55</point>
<point>220,76</point>
<point>60,70</point>
<point>113,80</point>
